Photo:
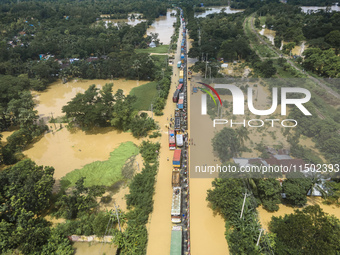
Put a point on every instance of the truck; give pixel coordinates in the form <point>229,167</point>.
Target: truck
<point>177,123</point>
<point>181,74</point>
<point>180,103</point>
<point>181,96</point>
<point>175,178</point>
<point>182,56</point>
<point>181,80</point>
<point>176,161</point>
<point>172,140</point>
<point>175,96</point>
<point>176,241</point>
<point>180,87</point>
<point>179,140</point>
<point>176,205</point>
<point>179,64</point>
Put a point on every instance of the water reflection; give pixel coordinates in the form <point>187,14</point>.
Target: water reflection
<point>216,10</point>
<point>307,9</point>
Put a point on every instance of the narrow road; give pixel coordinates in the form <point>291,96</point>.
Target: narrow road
<point>328,89</point>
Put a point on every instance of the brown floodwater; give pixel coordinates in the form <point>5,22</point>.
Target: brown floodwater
<point>68,150</point>
<point>58,94</point>
<point>265,216</point>
<point>164,27</point>
<point>159,225</point>
<point>270,34</point>
<point>85,248</point>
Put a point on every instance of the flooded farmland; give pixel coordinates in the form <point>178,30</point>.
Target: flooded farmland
<point>163,25</point>
<point>67,150</point>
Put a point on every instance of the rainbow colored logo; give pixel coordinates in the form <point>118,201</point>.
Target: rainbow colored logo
<point>208,92</point>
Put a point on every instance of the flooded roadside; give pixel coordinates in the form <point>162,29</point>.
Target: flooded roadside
<point>270,34</point>
<point>163,25</point>
<point>206,227</point>
<point>159,226</point>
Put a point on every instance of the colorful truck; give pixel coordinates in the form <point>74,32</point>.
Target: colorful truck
<point>176,205</point>
<point>175,96</point>
<point>179,64</point>
<point>176,241</point>
<point>180,87</point>
<point>181,74</point>
<point>177,123</point>
<point>176,161</point>
<point>180,103</point>
<point>172,140</point>
<point>179,140</point>
<point>175,178</point>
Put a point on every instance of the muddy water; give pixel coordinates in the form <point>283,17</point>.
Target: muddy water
<point>270,34</point>
<point>5,134</point>
<point>266,216</point>
<point>212,10</point>
<point>206,228</point>
<point>164,27</point>
<point>65,150</point>
<point>58,94</point>
<point>159,226</point>
<point>85,248</point>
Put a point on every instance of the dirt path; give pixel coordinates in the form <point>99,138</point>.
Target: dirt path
<point>159,226</point>
<point>328,89</point>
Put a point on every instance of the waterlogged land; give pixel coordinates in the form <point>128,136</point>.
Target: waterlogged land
<point>51,101</point>
<point>65,149</point>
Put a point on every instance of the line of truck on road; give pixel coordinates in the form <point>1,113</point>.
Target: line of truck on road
<point>180,237</point>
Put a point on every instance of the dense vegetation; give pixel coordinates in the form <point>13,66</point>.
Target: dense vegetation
<point>103,108</point>
<point>306,231</point>
<point>134,239</point>
<point>320,29</point>
<point>226,197</point>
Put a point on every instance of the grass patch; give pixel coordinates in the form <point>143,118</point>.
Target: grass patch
<point>158,49</point>
<point>145,95</point>
<point>105,172</point>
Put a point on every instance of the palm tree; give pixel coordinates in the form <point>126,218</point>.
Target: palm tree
<point>242,134</point>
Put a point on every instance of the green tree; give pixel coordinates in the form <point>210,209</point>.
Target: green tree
<point>307,231</point>
<point>296,186</point>
<point>25,186</point>
<point>269,191</point>
<point>226,144</point>
<point>81,201</point>
<point>333,38</point>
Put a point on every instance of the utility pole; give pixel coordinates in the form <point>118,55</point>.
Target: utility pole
<point>206,66</point>
<point>151,111</point>
<point>258,240</point>
<point>244,201</point>
<point>117,217</point>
